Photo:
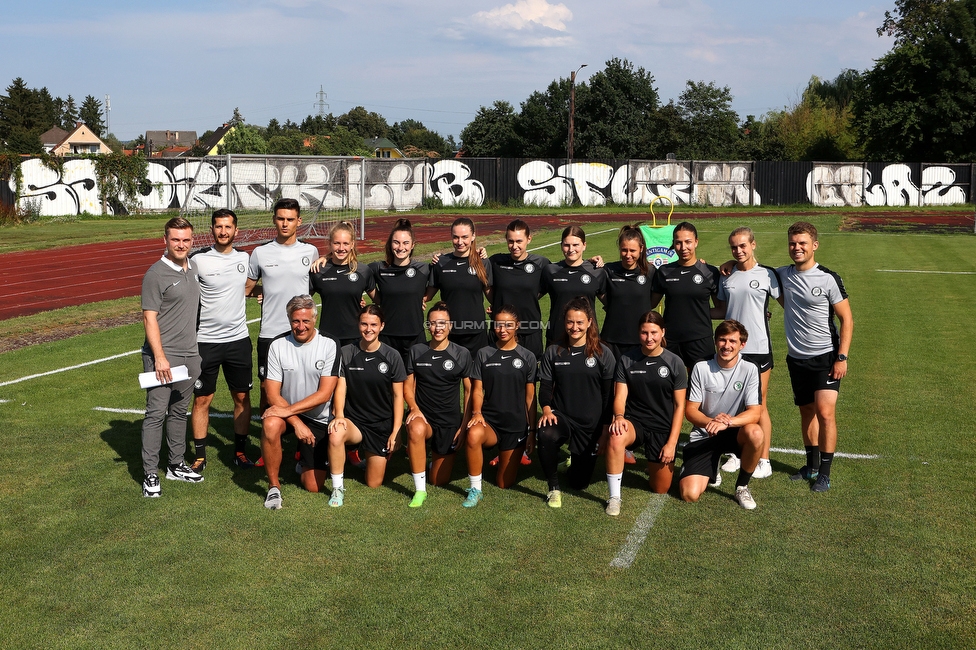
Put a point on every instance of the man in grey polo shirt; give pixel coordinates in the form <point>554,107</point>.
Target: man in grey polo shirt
<point>222,337</point>
<point>723,407</point>
<point>816,353</point>
<point>303,372</point>
<point>170,298</point>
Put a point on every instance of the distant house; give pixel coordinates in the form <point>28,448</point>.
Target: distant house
<point>52,138</point>
<point>78,140</point>
<point>211,145</point>
<point>384,148</point>
<point>166,144</point>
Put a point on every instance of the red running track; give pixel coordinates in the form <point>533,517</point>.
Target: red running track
<point>36,281</point>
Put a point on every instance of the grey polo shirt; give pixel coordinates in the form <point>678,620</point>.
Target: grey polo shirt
<point>174,294</point>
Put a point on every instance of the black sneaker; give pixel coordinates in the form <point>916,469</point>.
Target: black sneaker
<point>199,465</point>
<point>242,461</point>
<point>150,486</point>
<point>181,472</point>
<point>805,474</point>
<point>822,484</point>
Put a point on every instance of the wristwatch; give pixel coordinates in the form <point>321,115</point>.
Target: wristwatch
<point>842,357</point>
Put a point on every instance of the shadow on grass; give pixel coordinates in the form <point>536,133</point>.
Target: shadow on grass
<point>125,438</point>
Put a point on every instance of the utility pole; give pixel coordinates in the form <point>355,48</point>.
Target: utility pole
<point>108,112</point>
<point>572,110</point>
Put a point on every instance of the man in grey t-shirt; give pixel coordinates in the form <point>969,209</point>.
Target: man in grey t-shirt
<point>170,297</point>
<point>723,407</point>
<point>303,371</point>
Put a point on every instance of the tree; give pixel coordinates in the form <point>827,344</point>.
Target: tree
<point>819,127</point>
<point>236,118</point>
<point>712,127</point>
<point>365,123</point>
<point>418,138</point>
<point>244,138</point>
<point>761,139</point>
<point>319,125</point>
<point>113,143</point>
<point>919,99</point>
<point>615,113</point>
<point>21,118</point>
<point>69,114</point>
<point>543,123</point>
<point>91,115</point>
<point>491,132</point>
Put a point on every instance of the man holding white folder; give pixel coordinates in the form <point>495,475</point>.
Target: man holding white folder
<point>170,298</point>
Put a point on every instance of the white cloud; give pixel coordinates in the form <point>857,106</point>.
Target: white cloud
<point>526,14</point>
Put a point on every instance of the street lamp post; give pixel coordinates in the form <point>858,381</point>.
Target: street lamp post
<point>572,110</point>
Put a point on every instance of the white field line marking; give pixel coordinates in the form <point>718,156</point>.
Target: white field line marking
<point>839,454</point>
<point>219,416</point>
<point>4,401</point>
<point>557,243</point>
<point>928,272</point>
<point>637,535</point>
<point>87,363</point>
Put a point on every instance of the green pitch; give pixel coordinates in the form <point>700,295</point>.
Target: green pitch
<point>883,560</point>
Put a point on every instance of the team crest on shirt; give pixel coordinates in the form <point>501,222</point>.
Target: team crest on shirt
<point>590,362</point>
<point>410,272</point>
<point>737,385</point>
<point>240,268</point>
<point>471,271</point>
<point>320,364</point>
<point>517,363</point>
<point>198,384</point>
<point>529,268</point>
<point>754,284</point>
<point>383,367</point>
<point>663,371</point>
<point>698,279</point>
<point>585,278</point>
<point>305,261</point>
<point>641,279</point>
<point>353,276</point>
<point>448,365</point>
<point>817,291</point>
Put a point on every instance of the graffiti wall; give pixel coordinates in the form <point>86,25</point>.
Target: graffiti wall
<point>256,182</point>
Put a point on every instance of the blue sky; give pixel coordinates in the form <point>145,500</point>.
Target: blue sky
<point>187,65</point>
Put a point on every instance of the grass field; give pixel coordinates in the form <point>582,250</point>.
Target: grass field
<point>883,560</point>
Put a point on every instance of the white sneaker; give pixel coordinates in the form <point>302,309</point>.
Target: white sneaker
<point>273,500</point>
<point>744,497</point>
<point>732,464</point>
<point>764,469</point>
<point>613,506</point>
<point>717,481</point>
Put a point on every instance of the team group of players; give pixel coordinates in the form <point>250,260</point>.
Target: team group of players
<point>362,379</point>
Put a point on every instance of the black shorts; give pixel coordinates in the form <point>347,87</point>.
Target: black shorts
<point>508,440</point>
<point>581,442</point>
<point>473,340</point>
<point>620,349</point>
<point>314,456</point>
<point>691,352</point>
<point>810,375</point>
<point>402,344</point>
<point>652,441</point>
<point>763,361</point>
<point>234,358</point>
<point>701,458</point>
<point>375,437</point>
<point>442,440</point>
<point>263,346</point>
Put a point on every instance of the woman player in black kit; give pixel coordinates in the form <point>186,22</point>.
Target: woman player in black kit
<point>341,282</point>
<point>628,293</point>
<point>401,283</point>
<point>576,386</point>
<point>648,409</point>
<point>502,396</point>
<point>368,404</point>
<point>573,276</point>
<point>436,372</point>
<point>464,281</point>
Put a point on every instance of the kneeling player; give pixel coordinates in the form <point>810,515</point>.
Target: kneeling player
<point>435,374</point>
<point>724,408</point>
<point>302,374</point>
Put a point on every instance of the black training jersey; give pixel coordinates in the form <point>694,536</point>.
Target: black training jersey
<point>577,383</point>
<point>651,382</point>
<point>686,290</point>
<point>628,297</point>
<point>518,283</point>
<point>400,292</point>
<point>504,375</point>
<point>438,375</point>
<point>462,291</point>
<point>563,283</point>
<point>342,292</point>
<point>369,380</point>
